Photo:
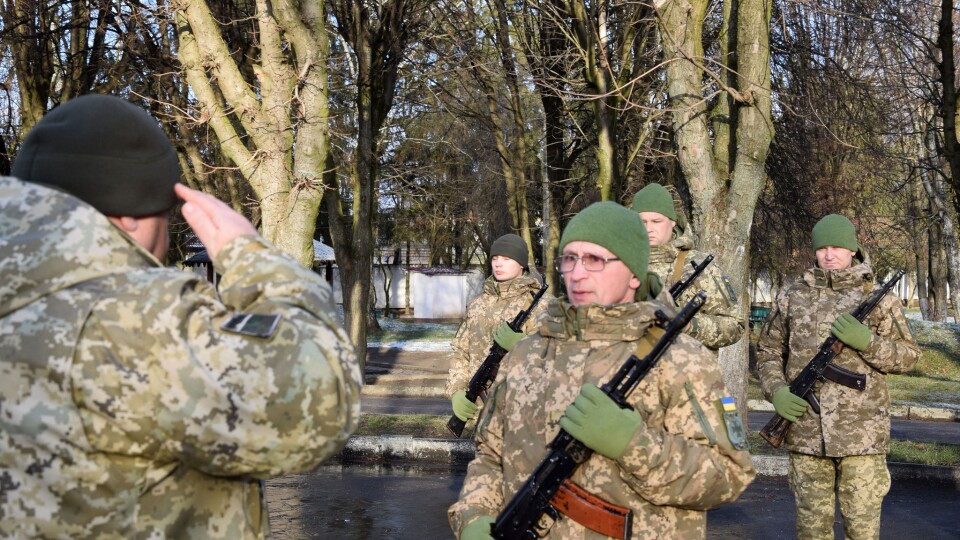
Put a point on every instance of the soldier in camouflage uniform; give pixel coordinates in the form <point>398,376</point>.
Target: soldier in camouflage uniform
<point>668,459</point>
<point>840,453</point>
<point>509,290</point>
<point>129,409</point>
<point>718,323</point>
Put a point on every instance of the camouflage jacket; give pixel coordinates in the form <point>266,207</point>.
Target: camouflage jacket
<point>127,411</point>
<point>851,422</point>
<point>718,322</point>
<point>498,302</point>
<point>678,465</point>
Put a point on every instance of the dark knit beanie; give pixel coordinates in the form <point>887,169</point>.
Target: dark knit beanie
<point>616,228</point>
<point>512,246</point>
<point>655,198</point>
<point>105,151</point>
<point>835,230</point>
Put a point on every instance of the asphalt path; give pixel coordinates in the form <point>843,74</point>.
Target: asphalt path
<point>905,430</point>
<point>409,501</point>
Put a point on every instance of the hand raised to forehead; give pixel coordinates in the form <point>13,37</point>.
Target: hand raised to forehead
<point>215,223</point>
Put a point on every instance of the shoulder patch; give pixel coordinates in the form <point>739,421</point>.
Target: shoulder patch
<point>729,289</point>
<point>727,407</point>
<point>261,325</point>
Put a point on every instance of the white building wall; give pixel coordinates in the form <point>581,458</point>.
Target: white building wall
<point>441,296</point>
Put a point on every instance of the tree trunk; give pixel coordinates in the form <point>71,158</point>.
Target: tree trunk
<point>937,283</point>
<point>283,165</point>
<point>948,232</point>
<point>722,209</point>
<point>948,103</point>
<point>516,165</point>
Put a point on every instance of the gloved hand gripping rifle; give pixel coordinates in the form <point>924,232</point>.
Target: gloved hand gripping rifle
<point>487,371</point>
<point>520,516</point>
<point>821,368</point>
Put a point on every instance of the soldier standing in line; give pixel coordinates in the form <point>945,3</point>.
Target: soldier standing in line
<point>136,400</point>
<point>719,322</point>
<point>509,290</point>
<point>668,459</point>
<point>840,453</point>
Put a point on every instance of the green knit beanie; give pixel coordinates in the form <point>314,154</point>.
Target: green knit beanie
<point>105,151</point>
<point>614,227</point>
<point>835,230</point>
<point>655,198</point>
<point>512,246</point>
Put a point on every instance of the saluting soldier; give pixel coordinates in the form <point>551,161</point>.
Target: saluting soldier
<point>719,322</point>
<point>509,290</point>
<point>839,454</point>
<point>137,401</point>
<point>668,459</point>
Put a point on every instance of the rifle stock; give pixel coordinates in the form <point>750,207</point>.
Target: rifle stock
<point>487,372</point>
<point>520,516</point>
<point>775,431</point>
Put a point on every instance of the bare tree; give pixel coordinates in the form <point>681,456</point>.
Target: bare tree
<point>269,115</point>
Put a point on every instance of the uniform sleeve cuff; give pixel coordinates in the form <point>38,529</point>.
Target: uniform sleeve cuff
<point>236,249</point>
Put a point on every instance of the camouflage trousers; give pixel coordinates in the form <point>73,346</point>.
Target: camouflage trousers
<point>859,483</point>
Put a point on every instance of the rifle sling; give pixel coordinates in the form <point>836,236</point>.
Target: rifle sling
<point>678,266</point>
<point>592,512</point>
<point>845,377</point>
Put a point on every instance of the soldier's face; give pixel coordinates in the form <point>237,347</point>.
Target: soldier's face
<point>659,227</point>
<point>614,284</point>
<point>505,268</point>
<point>834,258</point>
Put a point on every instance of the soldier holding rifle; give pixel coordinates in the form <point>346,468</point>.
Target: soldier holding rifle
<point>667,459</point>
<point>840,452</point>
<point>510,289</point>
<point>719,323</point>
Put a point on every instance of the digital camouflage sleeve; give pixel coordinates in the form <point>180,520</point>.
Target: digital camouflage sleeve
<point>680,462</point>
<point>498,302</point>
<point>719,323</point>
<point>128,411</point>
<point>851,422</point>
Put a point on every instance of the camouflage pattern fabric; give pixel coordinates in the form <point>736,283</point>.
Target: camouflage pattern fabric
<point>719,322</point>
<point>860,483</point>
<point>851,422</point>
<point>126,411</point>
<point>679,463</point>
<point>498,302</point>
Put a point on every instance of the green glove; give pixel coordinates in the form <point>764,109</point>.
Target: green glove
<point>851,332</point>
<point>598,422</point>
<point>506,337</point>
<point>463,407</point>
<point>478,529</point>
<point>789,405</point>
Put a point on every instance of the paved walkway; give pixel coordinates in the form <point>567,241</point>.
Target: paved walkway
<point>408,500</point>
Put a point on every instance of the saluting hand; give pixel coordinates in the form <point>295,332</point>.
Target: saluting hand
<point>215,223</point>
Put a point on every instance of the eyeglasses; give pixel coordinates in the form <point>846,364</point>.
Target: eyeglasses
<point>591,263</point>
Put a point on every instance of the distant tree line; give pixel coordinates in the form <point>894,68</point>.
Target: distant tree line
<point>372,125</point>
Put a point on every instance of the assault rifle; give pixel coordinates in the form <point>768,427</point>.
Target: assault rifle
<point>677,288</point>
<point>537,495</point>
<point>821,367</point>
<point>487,371</point>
